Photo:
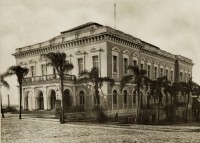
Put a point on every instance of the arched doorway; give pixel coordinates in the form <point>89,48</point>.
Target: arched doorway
<point>134,97</point>
<point>82,101</point>
<point>125,97</point>
<point>82,98</point>
<point>26,101</point>
<point>52,99</point>
<point>114,99</point>
<point>67,101</point>
<point>40,100</point>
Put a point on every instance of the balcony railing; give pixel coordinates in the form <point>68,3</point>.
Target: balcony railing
<point>47,78</point>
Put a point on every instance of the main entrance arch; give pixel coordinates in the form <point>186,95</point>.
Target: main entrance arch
<point>26,103</point>
<point>67,100</point>
<point>39,100</point>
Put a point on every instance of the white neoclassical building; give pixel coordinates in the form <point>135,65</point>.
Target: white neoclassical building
<point>110,50</point>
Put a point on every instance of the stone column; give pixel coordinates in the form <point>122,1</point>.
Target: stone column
<point>45,98</point>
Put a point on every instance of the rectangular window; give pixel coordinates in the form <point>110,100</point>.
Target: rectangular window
<point>54,70</point>
<point>185,77</point>
<point>76,35</point>
<point>172,75</point>
<point>32,71</point>
<point>114,63</point>
<point>80,65</point>
<point>95,61</point>
<point>125,65</point>
<point>167,73</point>
<point>148,71</point>
<point>142,66</point>
<point>43,69</point>
<point>91,31</point>
<point>161,72</point>
<point>134,62</point>
<point>155,72</point>
<point>181,76</point>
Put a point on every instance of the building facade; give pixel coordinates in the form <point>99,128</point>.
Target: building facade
<point>110,50</point>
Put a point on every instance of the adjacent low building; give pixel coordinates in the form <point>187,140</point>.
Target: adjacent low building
<point>94,45</point>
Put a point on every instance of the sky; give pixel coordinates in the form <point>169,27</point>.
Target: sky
<point>172,25</point>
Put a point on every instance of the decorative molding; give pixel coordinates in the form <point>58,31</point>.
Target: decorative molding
<point>79,52</point>
<point>115,49</point>
<point>135,55</point>
<point>155,63</point>
<point>149,61</point>
<point>126,52</point>
<point>94,50</point>
<point>142,59</point>
<point>162,64</point>
<point>22,63</point>
<point>32,61</point>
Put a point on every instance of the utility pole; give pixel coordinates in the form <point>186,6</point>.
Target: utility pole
<point>8,101</point>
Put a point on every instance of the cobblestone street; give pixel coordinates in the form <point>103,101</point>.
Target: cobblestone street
<point>34,130</point>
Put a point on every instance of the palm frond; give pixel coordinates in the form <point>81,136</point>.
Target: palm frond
<point>4,83</point>
<point>134,69</point>
<point>67,67</point>
<point>108,80</point>
<point>19,71</point>
<point>58,61</point>
<point>83,80</point>
<point>125,80</point>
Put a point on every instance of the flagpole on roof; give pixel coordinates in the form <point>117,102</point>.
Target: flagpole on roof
<point>115,15</point>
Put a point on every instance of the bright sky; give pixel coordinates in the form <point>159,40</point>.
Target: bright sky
<point>172,25</point>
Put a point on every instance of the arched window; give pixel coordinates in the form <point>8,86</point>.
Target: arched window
<point>114,97</point>
<point>97,98</point>
<point>52,99</point>
<point>41,101</point>
<point>134,97</point>
<point>82,98</point>
<point>125,97</point>
<point>26,102</point>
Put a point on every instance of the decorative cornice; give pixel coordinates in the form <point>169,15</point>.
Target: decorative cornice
<point>76,42</point>
<point>106,36</point>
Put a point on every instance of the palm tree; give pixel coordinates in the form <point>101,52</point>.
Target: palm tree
<point>196,103</point>
<point>167,85</point>
<point>20,72</point>
<point>139,78</point>
<point>156,87</point>
<point>59,62</point>
<point>5,84</point>
<point>173,90</point>
<point>187,88</point>
<point>97,81</point>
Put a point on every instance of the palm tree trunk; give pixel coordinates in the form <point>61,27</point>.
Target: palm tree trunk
<point>97,103</point>
<point>62,120</point>
<point>158,111</point>
<point>20,101</point>
<point>2,113</point>
<point>186,114</point>
<point>138,118</point>
<point>167,107</point>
